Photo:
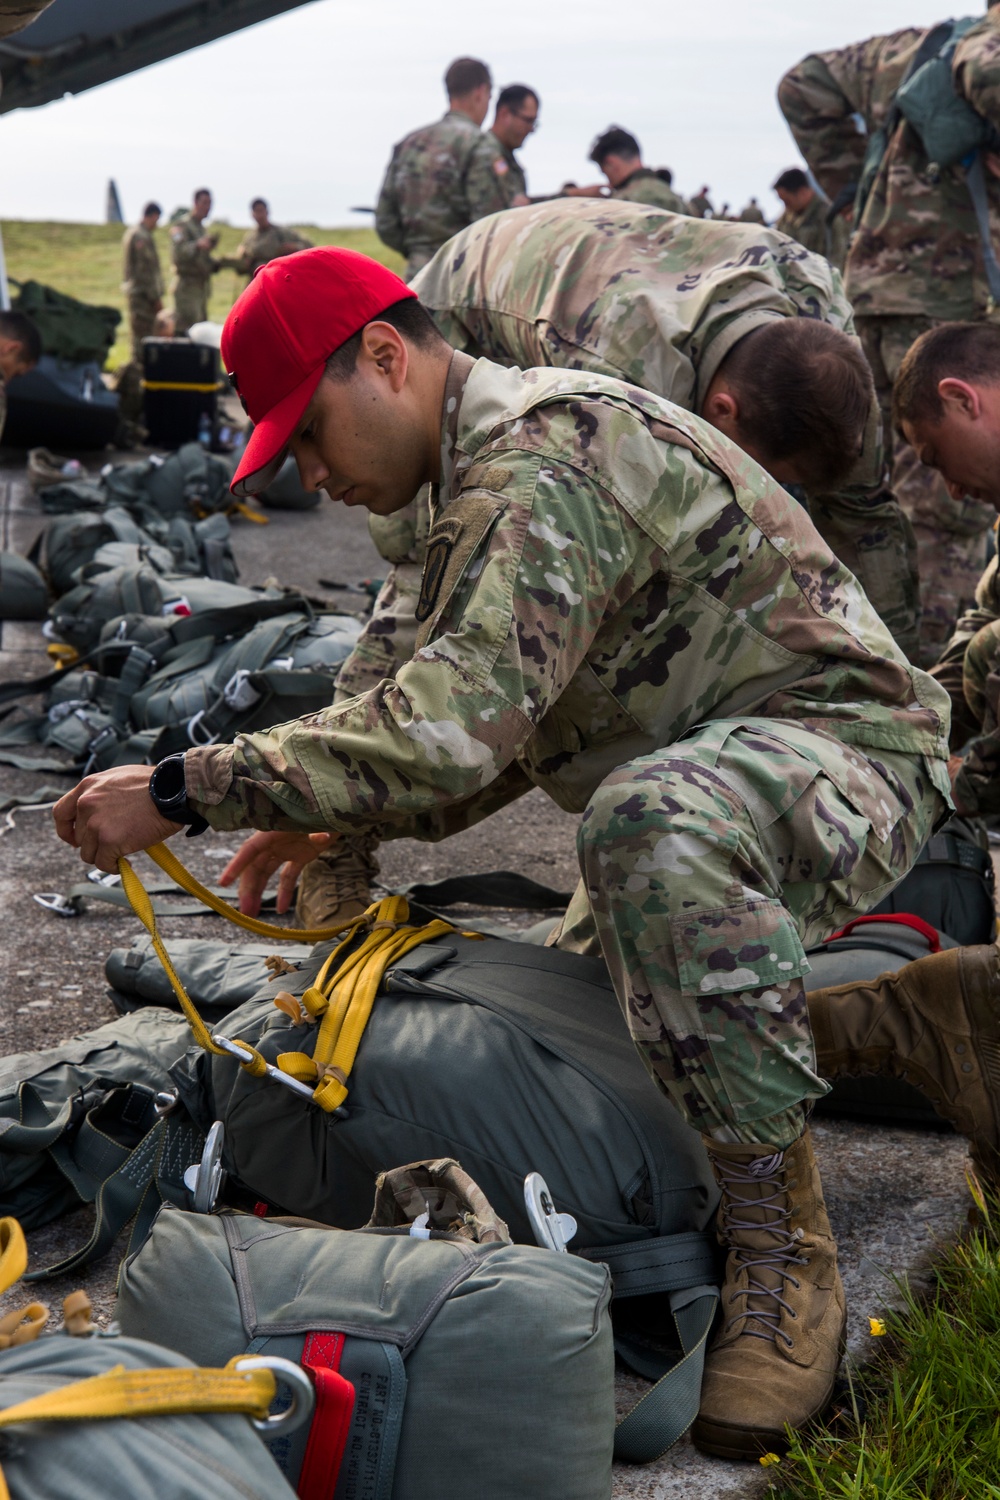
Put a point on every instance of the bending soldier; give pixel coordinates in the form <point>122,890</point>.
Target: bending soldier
<point>622,608</point>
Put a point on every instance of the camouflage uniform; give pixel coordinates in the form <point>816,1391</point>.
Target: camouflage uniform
<point>515,183</point>
<point>3,405</point>
<point>193,271</point>
<point>259,246</point>
<point>440,178</point>
<point>811,229</point>
<point>646,186</point>
<point>142,284</point>
<point>622,608</point>
<point>701,206</point>
<point>915,260</point>
<point>752,213</point>
<point>969,671</point>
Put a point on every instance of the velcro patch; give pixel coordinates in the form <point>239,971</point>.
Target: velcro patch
<point>439,550</point>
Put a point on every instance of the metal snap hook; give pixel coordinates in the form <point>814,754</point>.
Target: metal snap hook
<point>298,1383</point>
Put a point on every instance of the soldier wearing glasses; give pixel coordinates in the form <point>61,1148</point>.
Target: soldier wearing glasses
<point>515,119</point>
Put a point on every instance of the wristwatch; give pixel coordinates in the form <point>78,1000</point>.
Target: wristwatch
<point>168,790</point>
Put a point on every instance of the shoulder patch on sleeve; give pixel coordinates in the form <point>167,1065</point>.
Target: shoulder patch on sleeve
<point>501,167</point>
<point>439,550</point>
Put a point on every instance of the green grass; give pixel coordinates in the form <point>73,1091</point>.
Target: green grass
<point>925,1417</point>
<point>85,261</point>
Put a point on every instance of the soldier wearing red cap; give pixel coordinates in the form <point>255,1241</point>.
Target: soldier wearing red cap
<point>620,607</point>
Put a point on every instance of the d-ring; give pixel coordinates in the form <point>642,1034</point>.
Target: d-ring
<point>295,1378</point>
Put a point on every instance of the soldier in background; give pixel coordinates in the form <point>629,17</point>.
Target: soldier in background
<point>265,242</point>
<point>515,118</point>
<point>142,280</point>
<point>916,259</point>
<point>701,204</point>
<point>443,176</point>
<point>617,154</point>
<point>751,213</point>
<point>809,217</point>
<point>20,350</point>
<point>194,265</point>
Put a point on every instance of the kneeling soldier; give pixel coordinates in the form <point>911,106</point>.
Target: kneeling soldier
<point>621,607</point>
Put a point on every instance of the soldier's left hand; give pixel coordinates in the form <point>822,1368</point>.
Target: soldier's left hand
<point>111,814</point>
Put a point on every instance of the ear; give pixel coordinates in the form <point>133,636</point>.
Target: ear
<point>721,408</point>
<point>960,398</point>
<point>388,351</point>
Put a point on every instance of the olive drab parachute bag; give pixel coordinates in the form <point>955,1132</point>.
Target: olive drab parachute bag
<point>87,1414</point>
<point>77,546</point>
<point>23,595</point>
<point>445,1356</point>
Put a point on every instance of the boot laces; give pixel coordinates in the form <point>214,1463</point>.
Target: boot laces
<point>773,1212</point>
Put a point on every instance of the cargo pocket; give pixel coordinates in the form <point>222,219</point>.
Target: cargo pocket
<point>744,947</point>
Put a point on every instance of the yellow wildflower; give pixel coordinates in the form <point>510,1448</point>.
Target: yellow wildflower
<point>769,1459</point>
<point>877,1327</point>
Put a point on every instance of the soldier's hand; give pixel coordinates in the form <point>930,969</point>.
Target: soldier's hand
<point>263,853</point>
<point>111,814</point>
<point>206,242</point>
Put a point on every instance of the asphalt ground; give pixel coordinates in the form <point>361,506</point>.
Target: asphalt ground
<point>893,1193</point>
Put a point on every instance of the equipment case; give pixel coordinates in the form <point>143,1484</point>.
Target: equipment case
<point>180,385</point>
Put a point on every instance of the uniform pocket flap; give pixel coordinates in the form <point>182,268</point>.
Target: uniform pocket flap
<point>744,947</point>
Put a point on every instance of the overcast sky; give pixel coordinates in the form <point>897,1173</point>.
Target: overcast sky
<point>304,109</point>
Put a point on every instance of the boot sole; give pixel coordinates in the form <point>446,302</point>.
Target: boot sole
<point>726,1440</point>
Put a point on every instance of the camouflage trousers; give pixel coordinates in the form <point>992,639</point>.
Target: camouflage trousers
<point>142,319</point>
<point>190,303</point>
<point>709,867</point>
<point>951,534</point>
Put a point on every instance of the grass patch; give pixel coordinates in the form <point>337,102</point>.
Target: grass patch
<point>925,1423</point>
<point>85,261</point>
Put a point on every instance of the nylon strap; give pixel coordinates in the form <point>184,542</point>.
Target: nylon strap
<point>331,1423</point>
<point>667,1411</point>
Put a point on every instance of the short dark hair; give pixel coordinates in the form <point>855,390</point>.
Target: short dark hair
<point>202,193</point>
<point>960,351</point>
<point>792,181</point>
<point>151,208</point>
<point>464,75</point>
<point>22,330</point>
<point>514,95</point>
<point>614,142</point>
<point>258,203</point>
<point>805,393</point>
<point>408,316</point>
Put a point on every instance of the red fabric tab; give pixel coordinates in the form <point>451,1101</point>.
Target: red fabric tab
<point>331,1423</point>
<point>902,919</point>
<point>261,1209</point>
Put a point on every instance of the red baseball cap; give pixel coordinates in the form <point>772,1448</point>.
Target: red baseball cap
<point>295,313</point>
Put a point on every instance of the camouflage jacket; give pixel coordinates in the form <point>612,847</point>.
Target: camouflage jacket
<point>513,178</point>
<point>645,186</point>
<point>811,229</point>
<point>3,405</point>
<point>605,572</point>
<point>191,263</point>
<point>259,246</point>
<point>752,213</point>
<point>916,249</point>
<point>141,265</point>
<point>440,178</point>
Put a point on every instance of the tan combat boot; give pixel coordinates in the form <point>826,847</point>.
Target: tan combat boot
<point>337,885</point>
<point>934,1023</point>
<point>775,1358</point>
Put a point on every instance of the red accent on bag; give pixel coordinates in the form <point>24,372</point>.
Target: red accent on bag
<point>902,919</point>
<point>331,1423</point>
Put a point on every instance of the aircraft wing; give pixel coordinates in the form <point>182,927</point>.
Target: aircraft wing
<point>63,47</point>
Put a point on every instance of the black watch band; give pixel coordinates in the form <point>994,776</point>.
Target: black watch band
<point>168,789</point>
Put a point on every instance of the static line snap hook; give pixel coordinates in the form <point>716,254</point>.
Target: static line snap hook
<point>301,1387</point>
<point>57,903</point>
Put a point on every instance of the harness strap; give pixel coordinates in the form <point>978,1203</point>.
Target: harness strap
<point>331,1424</point>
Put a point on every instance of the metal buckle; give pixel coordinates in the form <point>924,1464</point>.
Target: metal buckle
<point>243,1054</point>
<point>57,903</point>
<point>204,1178</point>
<point>98,877</point>
<point>298,1383</point>
<point>552,1230</point>
<point>196,734</point>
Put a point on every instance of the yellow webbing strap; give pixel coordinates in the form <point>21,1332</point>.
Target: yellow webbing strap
<point>341,1001</point>
<point>13,1253</point>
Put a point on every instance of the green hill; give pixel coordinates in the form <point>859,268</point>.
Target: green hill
<point>85,261</point>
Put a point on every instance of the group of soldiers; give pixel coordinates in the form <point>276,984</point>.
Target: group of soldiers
<point>653,457</point>
<point>192,251</point>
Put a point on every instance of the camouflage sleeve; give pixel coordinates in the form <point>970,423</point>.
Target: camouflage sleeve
<point>517,625</point>
<point>187,256</point>
<point>388,223</point>
<point>976,70</point>
<point>820,110</point>
<point>485,192</point>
